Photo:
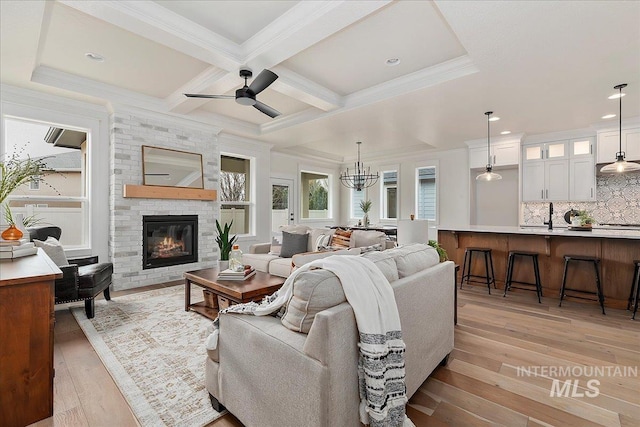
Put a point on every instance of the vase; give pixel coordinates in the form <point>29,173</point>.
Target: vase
<point>12,233</point>
<point>223,265</point>
<point>365,220</point>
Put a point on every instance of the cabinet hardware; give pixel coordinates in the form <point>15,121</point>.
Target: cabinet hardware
<point>547,194</point>
<point>542,194</point>
<point>592,192</point>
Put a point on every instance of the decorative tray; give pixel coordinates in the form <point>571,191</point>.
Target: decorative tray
<point>579,228</point>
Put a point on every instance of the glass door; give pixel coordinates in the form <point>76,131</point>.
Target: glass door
<point>281,203</point>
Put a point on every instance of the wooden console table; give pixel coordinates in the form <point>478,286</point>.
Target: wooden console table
<point>26,339</point>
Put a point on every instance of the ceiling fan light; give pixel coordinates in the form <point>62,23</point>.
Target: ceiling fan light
<point>245,101</point>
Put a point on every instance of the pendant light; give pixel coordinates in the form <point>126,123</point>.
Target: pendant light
<point>488,175</point>
<point>360,177</point>
<point>620,165</point>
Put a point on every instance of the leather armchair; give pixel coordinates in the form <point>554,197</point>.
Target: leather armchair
<point>82,280</point>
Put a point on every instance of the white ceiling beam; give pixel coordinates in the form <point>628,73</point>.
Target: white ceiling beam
<point>212,81</point>
<point>305,90</point>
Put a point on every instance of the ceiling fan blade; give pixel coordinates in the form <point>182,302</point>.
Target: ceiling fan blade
<point>264,79</point>
<point>264,108</point>
<point>198,95</point>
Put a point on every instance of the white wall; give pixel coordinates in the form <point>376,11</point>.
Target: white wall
<point>495,202</point>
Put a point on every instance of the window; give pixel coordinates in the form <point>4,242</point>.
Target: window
<point>356,198</point>
<point>35,183</point>
<point>426,193</point>
<point>58,196</point>
<point>235,193</point>
<point>389,195</point>
<point>314,194</point>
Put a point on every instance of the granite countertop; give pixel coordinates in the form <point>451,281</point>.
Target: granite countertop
<point>543,231</point>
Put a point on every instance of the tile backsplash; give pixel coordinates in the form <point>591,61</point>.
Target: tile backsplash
<point>618,203</point>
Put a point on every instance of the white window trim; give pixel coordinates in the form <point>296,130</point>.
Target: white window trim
<point>389,168</point>
<point>34,184</point>
<point>430,164</point>
<point>320,171</point>
<point>352,215</point>
<point>252,193</point>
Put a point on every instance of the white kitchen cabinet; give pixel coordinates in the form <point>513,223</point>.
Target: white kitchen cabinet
<point>581,147</point>
<point>582,179</point>
<point>502,154</point>
<point>609,144</point>
<point>545,171</point>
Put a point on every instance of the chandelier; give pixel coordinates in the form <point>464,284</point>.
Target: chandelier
<point>361,176</point>
<point>620,165</point>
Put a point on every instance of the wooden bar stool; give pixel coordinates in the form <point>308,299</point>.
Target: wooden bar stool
<point>596,266</point>
<point>536,272</point>
<point>489,276</point>
<point>635,286</point>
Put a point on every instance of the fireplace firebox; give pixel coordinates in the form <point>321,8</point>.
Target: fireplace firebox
<point>169,240</point>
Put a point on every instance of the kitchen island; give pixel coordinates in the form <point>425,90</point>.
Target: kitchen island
<point>617,249</point>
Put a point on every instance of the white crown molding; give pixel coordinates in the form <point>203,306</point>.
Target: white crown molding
<point>310,154</point>
<point>29,97</point>
<point>62,80</point>
<point>502,139</point>
<point>165,117</point>
<point>152,21</point>
<point>254,144</point>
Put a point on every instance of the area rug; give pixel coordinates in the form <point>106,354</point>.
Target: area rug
<point>155,352</point>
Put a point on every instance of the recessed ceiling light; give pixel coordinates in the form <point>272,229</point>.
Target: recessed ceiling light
<point>617,95</point>
<point>608,116</point>
<point>393,62</point>
<point>94,56</point>
<point>494,119</point>
<point>505,132</point>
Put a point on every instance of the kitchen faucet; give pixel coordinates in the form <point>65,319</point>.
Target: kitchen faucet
<point>550,222</point>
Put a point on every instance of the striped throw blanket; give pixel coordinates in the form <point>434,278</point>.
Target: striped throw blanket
<point>381,369</point>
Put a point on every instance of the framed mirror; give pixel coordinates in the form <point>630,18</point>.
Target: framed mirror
<point>171,168</point>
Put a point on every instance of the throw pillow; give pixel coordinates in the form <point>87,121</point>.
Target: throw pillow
<point>322,242</point>
<point>313,292</point>
<point>341,238</point>
<point>293,244</point>
<point>276,237</point>
<point>54,250</point>
<point>376,247</point>
<point>413,258</point>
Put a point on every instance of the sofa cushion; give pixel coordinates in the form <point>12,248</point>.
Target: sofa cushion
<point>362,238</point>
<point>280,267</point>
<point>276,237</point>
<point>299,260</point>
<point>313,292</point>
<point>413,258</point>
<point>341,239</point>
<point>319,236</point>
<point>385,262</point>
<point>258,261</point>
<point>54,250</point>
<point>293,244</point>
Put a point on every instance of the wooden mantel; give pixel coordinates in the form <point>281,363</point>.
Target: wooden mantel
<point>160,192</point>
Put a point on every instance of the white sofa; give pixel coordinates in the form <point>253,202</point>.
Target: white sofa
<point>260,258</point>
<point>269,375</point>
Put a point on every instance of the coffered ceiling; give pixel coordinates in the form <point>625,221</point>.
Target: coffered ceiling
<point>540,66</point>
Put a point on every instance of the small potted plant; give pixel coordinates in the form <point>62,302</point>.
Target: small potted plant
<point>365,205</point>
<point>225,244</point>
<point>586,220</point>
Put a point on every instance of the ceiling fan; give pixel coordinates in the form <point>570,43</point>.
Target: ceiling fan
<point>247,94</point>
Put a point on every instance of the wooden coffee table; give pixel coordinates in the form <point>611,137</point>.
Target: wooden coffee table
<point>227,292</point>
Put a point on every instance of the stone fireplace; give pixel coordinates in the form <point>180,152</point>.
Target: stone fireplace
<point>169,240</point>
<point>135,264</point>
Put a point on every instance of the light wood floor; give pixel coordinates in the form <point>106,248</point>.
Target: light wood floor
<point>480,385</point>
